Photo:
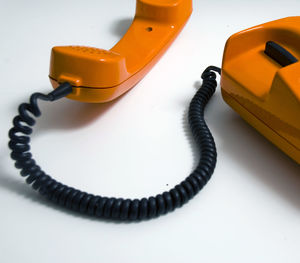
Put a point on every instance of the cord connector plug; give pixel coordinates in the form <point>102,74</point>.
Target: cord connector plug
<point>61,91</point>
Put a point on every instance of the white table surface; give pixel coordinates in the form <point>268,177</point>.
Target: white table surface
<point>140,145</point>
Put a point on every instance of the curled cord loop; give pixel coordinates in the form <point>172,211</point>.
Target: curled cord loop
<point>113,208</point>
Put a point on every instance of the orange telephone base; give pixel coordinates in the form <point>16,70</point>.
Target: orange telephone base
<point>261,81</point>
<point>98,75</point>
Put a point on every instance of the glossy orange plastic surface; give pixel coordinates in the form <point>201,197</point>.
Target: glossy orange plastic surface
<point>263,92</point>
<point>98,75</point>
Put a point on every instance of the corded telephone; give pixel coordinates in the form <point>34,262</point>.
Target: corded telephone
<point>259,79</point>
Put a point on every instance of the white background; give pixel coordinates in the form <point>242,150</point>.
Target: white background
<point>140,145</point>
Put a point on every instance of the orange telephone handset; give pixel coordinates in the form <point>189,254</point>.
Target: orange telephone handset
<point>95,75</point>
<point>98,75</point>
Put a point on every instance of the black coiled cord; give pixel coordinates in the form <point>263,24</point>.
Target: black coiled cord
<point>113,208</point>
